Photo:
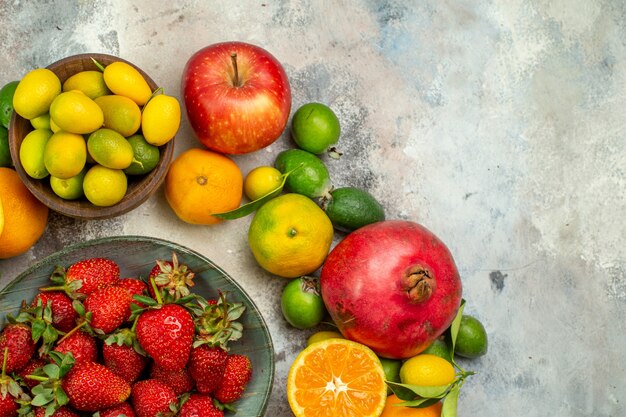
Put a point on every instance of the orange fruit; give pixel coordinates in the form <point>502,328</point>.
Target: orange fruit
<point>392,410</point>
<point>335,378</point>
<point>290,236</point>
<point>200,182</point>
<point>25,216</point>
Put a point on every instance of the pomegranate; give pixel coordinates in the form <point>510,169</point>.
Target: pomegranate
<point>392,286</point>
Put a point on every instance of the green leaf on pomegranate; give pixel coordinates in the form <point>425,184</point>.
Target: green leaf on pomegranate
<point>252,206</point>
<point>454,327</point>
<point>450,402</point>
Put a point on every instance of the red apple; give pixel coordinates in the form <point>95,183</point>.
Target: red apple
<point>237,97</point>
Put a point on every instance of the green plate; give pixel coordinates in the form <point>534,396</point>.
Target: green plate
<point>136,256</point>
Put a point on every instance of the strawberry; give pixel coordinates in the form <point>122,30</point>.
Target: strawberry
<point>200,405</point>
<point>33,365</point>
<point>172,278</point>
<point>122,409</point>
<point>134,287</point>
<point>17,339</point>
<point>63,314</point>
<point>109,308</point>
<point>80,344</point>
<point>215,321</point>
<point>10,390</point>
<point>91,386</point>
<point>166,335</point>
<point>8,406</point>
<point>85,277</point>
<point>206,366</point>
<point>151,398</point>
<point>60,412</point>
<point>179,380</point>
<point>238,373</point>
<point>124,361</point>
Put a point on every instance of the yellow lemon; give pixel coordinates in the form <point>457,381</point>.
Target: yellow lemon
<point>110,149</point>
<point>126,80</point>
<point>427,370</point>
<point>74,112</point>
<point>91,83</point>
<point>120,114</point>
<point>290,236</point>
<point>323,335</point>
<point>41,122</point>
<point>260,181</point>
<point>35,92</point>
<point>65,154</point>
<point>160,119</point>
<point>32,151</point>
<point>53,126</point>
<point>104,186</point>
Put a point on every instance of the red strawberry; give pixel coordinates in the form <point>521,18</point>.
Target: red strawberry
<point>152,397</point>
<point>134,287</point>
<point>118,410</point>
<point>206,366</point>
<point>17,339</point>
<point>91,386</point>
<point>238,373</point>
<point>80,344</point>
<point>200,405</point>
<point>63,314</point>
<point>60,412</point>
<point>179,380</point>
<point>85,277</point>
<point>29,369</point>
<point>124,361</point>
<point>109,308</point>
<point>166,335</point>
<point>8,406</point>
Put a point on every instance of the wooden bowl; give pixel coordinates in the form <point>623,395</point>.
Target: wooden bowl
<point>140,188</point>
<point>135,256</point>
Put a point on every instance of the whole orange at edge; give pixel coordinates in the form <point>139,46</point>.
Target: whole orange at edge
<point>290,236</point>
<point>25,216</point>
<point>393,410</point>
<point>336,377</point>
<point>200,182</point>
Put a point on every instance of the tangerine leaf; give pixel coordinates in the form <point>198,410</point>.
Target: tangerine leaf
<point>454,327</point>
<point>427,392</point>
<point>450,402</point>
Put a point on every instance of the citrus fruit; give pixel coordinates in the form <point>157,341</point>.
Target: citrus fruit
<point>471,340</point>
<point>1,218</point>
<point>427,370</point>
<point>199,183</point>
<point>65,154</point>
<point>290,236</point>
<point>392,370</point>
<point>35,92</point>
<point>74,112</point>
<point>145,156</point>
<point>260,181</point>
<point>311,177</point>
<point>440,348</point>
<point>160,119</point>
<point>41,122</point>
<point>314,127</point>
<point>25,216</point>
<point>32,151</point>
<point>54,127</point>
<point>393,410</point>
<point>110,149</point>
<point>5,153</point>
<point>120,114</point>
<point>350,208</point>
<point>69,188</point>
<point>6,102</point>
<point>91,83</point>
<point>336,377</point>
<point>124,79</point>
<point>301,303</point>
<point>104,186</point>
<point>323,335</point>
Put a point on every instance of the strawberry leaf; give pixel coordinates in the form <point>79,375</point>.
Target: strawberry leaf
<point>52,370</point>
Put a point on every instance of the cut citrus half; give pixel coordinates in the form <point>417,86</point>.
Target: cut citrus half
<point>336,378</point>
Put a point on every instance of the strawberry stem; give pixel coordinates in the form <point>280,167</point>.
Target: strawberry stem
<point>37,378</point>
<point>4,361</point>
<point>157,292</point>
<point>74,330</point>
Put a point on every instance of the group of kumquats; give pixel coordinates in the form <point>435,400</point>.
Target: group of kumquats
<point>385,303</point>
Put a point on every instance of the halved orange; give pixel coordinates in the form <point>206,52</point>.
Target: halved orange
<point>336,378</point>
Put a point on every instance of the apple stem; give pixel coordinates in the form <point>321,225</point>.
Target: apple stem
<point>233,58</point>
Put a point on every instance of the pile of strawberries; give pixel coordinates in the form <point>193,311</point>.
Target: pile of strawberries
<point>93,342</point>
